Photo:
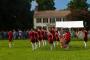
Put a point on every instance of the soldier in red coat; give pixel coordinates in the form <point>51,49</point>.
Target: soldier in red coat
<point>85,37</point>
<point>53,33</point>
<point>45,36</point>
<point>57,37</point>
<point>32,38</point>
<point>10,37</point>
<point>50,39</point>
<point>39,36</point>
<point>36,35</point>
<point>67,38</point>
<point>36,38</point>
<point>43,32</point>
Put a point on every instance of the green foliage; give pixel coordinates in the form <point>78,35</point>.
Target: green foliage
<point>79,10</point>
<point>78,4</point>
<point>45,5</point>
<point>15,13</point>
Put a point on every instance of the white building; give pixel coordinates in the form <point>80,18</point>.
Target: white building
<point>48,18</point>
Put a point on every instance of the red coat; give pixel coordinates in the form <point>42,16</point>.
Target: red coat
<point>67,36</point>
<point>53,33</point>
<point>36,35</point>
<point>10,35</point>
<point>40,35</point>
<point>32,36</point>
<point>45,35</point>
<point>50,38</point>
<point>56,36</point>
<point>86,34</point>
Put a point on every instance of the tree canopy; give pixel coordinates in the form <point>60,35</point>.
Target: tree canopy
<point>15,13</point>
<point>45,5</point>
<point>79,10</point>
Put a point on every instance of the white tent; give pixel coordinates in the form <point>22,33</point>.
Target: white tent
<point>69,24</point>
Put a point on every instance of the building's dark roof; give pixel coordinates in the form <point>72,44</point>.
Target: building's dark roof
<point>51,13</point>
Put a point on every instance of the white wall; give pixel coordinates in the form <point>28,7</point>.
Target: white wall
<point>45,24</point>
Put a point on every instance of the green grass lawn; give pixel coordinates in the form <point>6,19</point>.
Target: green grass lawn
<point>22,51</point>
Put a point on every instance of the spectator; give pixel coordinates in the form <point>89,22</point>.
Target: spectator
<point>14,34</point>
<point>20,34</point>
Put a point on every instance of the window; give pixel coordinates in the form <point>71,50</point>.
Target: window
<point>38,20</point>
<point>44,27</point>
<point>58,19</point>
<point>63,19</point>
<point>52,20</point>
<point>38,27</point>
<point>45,20</point>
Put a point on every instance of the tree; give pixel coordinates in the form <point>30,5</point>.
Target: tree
<point>79,10</point>
<point>15,13</point>
<point>45,5</point>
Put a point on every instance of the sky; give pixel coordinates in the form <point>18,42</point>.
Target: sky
<point>59,4</point>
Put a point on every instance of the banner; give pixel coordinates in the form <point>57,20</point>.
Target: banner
<point>69,24</point>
